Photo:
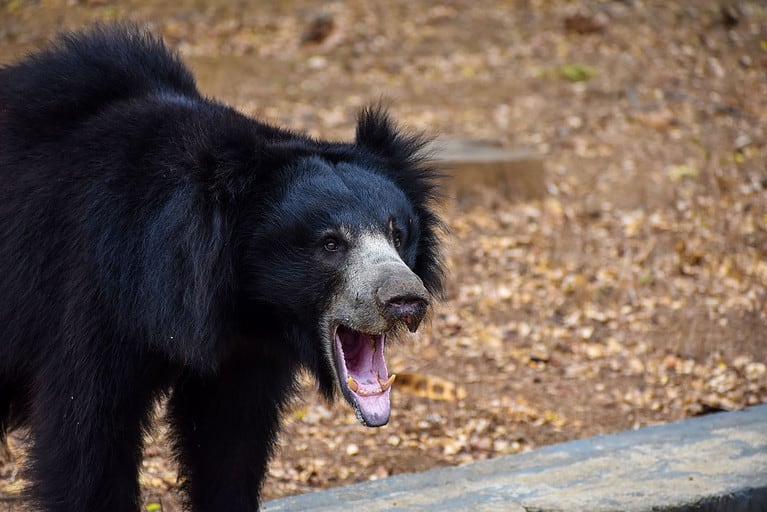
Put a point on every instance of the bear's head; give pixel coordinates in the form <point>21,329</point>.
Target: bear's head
<point>346,256</point>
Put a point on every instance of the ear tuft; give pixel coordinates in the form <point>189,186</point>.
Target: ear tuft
<point>375,129</point>
<point>377,133</point>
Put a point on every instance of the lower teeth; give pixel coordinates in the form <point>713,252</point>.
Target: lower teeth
<point>384,385</point>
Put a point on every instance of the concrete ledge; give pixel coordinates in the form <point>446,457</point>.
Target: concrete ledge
<point>709,464</point>
<point>477,171</point>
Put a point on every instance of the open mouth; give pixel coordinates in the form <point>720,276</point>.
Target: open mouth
<point>363,378</point>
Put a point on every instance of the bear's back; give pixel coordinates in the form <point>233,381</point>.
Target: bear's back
<point>55,90</point>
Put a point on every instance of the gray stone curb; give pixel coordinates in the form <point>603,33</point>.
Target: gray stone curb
<point>709,464</point>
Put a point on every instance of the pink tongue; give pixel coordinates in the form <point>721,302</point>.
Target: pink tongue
<point>374,410</point>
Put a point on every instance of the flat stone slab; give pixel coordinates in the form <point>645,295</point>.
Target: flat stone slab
<point>480,171</point>
<point>708,464</point>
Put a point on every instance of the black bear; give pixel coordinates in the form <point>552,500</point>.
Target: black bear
<point>154,242</point>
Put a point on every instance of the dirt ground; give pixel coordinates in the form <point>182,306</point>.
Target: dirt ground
<point>634,293</point>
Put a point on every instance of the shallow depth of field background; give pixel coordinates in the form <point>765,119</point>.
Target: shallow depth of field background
<point>633,293</point>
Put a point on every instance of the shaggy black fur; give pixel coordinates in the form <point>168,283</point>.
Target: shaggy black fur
<point>154,241</point>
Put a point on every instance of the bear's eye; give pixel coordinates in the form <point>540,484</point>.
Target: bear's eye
<point>397,238</point>
<point>331,245</point>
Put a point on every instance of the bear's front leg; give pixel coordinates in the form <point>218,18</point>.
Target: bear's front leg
<point>87,418</point>
<point>225,427</point>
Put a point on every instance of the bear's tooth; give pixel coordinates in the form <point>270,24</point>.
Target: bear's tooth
<point>352,384</point>
<point>386,385</point>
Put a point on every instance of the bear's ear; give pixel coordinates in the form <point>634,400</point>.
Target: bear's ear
<point>377,133</point>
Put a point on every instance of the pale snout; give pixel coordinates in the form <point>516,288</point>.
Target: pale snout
<point>402,297</point>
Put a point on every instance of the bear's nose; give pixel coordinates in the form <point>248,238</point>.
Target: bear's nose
<point>408,309</point>
<point>404,300</point>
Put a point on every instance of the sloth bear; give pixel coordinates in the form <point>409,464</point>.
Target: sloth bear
<point>156,243</point>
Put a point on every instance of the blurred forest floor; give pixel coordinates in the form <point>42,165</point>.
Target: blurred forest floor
<point>634,293</point>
